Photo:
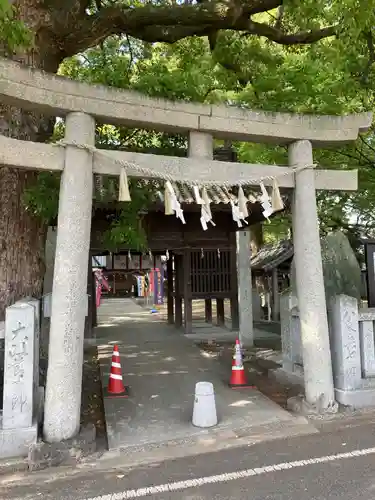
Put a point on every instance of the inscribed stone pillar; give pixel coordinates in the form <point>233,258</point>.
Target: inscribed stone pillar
<point>37,329</point>
<point>245,288</point>
<point>69,299</point>
<point>290,332</point>
<point>19,390</point>
<point>309,282</point>
<point>367,342</point>
<point>346,355</point>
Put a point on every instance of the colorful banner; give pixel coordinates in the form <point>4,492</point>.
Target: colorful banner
<point>151,284</point>
<point>156,285</point>
<point>101,282</point>
<point>157,290</point>
<point>98,293</point>
<point>141,286</point>
<point>161,285</point>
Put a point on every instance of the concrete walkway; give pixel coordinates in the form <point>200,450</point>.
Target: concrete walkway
<point>162,366</point>
<point>266,333</point>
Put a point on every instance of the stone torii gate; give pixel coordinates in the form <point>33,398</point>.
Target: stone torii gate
<point>81,104</point>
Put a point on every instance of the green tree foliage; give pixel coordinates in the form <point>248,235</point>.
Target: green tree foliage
<point>13,33</point>
<point>305,57</point>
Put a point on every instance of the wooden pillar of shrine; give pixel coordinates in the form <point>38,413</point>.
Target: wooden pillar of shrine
<point>188,303</point>
<point>220,315</point>
<point>170,290</point>
<point>208,310</point>
<point>178,290</point>
<point>234,309</point>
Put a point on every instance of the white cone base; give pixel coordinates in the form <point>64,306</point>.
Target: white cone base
<point>204,411</point>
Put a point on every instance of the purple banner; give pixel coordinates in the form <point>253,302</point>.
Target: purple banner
<point>156,286</point>
<point>158,280</point>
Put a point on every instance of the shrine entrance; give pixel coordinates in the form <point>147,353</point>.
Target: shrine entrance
<point>78,159</point>
<point>200,264</point>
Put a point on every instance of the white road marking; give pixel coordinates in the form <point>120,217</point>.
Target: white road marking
<point>231,476</point>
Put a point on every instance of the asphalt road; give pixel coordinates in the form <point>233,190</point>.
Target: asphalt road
<point>330,465</point>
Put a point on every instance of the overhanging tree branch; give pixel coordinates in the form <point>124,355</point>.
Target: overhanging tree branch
<point>302,37</point>
<point>170,23</point>
<point>371,57</point>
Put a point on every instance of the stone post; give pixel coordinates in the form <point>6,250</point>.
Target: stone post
<point>69,299</point>
<point>316,352</point>
<point>367,342</point>
<point>290,332</point>
<point>201,145</point>
<point>19,372</point>
<point>346,355</point>
<point>37,330</point>
<point>245,288</point>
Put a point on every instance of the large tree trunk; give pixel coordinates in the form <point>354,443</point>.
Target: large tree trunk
<point>22,238</point>
<point>22,235</point>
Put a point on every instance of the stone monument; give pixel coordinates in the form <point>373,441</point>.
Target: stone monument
<point>353,355</point>
<point>341,271</point>
<point>18,426</point>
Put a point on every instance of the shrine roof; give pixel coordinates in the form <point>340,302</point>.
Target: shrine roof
<point>272,255</point>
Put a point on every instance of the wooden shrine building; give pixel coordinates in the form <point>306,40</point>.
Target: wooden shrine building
<point>202,264</point>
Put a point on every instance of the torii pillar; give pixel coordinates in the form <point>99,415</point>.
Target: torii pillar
<point>65,357</point>
<point>318,378</point>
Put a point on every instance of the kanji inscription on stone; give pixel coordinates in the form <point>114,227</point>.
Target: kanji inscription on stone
<point>20,330</point>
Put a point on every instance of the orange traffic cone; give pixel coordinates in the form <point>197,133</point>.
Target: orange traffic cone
<point>238,378</point>
<point>115,384</point>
